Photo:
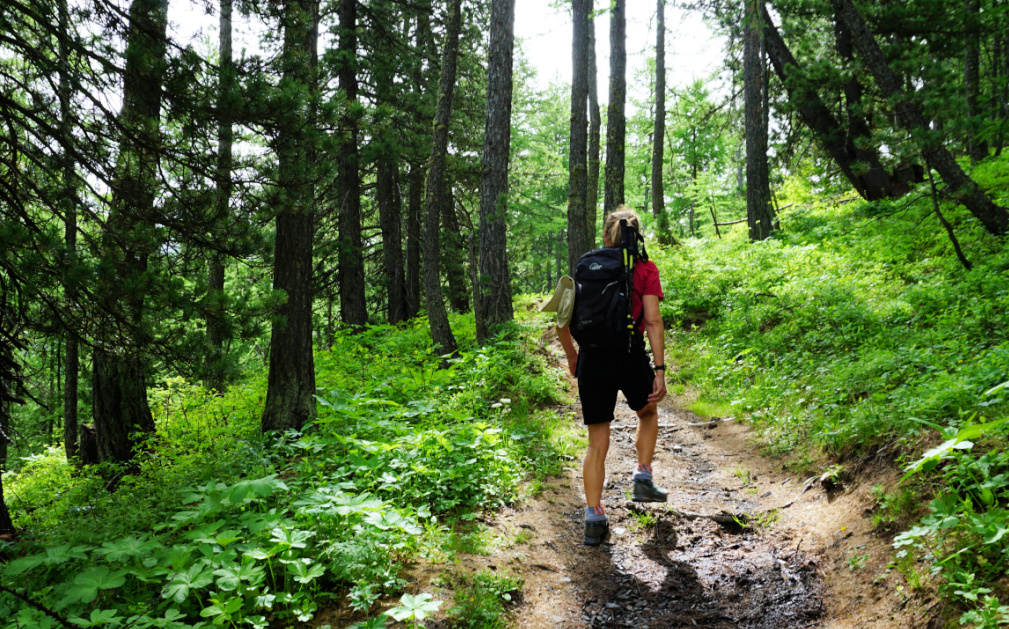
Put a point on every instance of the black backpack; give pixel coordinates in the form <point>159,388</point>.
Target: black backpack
<point>604,282</point>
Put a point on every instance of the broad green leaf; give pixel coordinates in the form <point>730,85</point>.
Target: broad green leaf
<point>195,578</point>
<point>86,585</point>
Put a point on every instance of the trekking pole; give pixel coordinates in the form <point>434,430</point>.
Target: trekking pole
<point>628,240</point>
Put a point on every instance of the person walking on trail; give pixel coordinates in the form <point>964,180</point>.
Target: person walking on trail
<point>603,372</point>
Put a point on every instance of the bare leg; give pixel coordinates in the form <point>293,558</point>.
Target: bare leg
<point>648,433</point>
<point>594,467</point>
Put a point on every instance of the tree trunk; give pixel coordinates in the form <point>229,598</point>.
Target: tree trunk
<point>8,370</point>
<point>290,395</point>
<point>119,390</point>
<point>390,215</point>
<point>119,382</point>
<point>758,190</point>
<point>976,146</point>
<point>995,218</point>
<point>216,328</point>
<point>414,210</point>
<point>390,221</point>
<point>453,252</point>
<point>441,332</point>
<point>494,295</point>
<point>70,430</point>
<point>595,125</point>
<point>659,136</point>
<point>350,258</point>
<point>579,236</point>
<point>861,166</point>
<point>616,124</point>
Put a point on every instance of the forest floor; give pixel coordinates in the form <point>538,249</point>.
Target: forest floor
<point>808,557</point>
<point>804,556</point>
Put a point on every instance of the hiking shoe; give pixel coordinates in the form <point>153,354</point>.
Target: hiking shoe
<point>596,531</point>
<point>646,491</point>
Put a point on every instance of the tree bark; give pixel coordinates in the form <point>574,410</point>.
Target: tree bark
<point>616,123</point>
<point>453,252</point>
<point>390,221</point>
<point>290,395</point>
<point>70,398</point>
<point>659,136</point>
<point>595,126</point>
<point>441,332</point>
<point>579,236</point>
<point>493,295</point>
<point>119,383</point>
<point>216,328</point>
<point>414,211</point>
<point>350,258</point>
<point>6,395</point>
<point>861,166</point>
<point>976,145</point>
<point>758,191</point>
<point>995,218</point>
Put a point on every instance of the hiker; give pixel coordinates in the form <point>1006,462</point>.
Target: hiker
<point>603,372</point>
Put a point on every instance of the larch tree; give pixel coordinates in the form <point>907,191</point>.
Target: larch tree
<point>961,187</point>
<point>579,234</point>
<point>435,189</point>
<point>119,378</point>
<point>350,257</point>
<point>616,120</point>
<point>758,191</point>
<point>659,136</point>
<point>595,126</point>
<point>848,145</point>
<point>290,396</point>
<point>493,295</point>
<point>216,325</point>
<point>72,371</point>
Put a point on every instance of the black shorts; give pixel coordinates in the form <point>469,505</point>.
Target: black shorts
<point>600,376</point>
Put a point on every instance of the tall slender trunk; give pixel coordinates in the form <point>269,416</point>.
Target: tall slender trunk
<point>290,395</point>
<point>6,393</point>
<point>216,329</point>
<point>414,211</point>
<point>350,258</point>
<point>70,438</point>
<point>595,125</point>
<point>977,147</point>
<point>758,191</point>
<point>390,221</point>
<point>453,252</point>
<point>995,218</point>
<point>616,123</point>
<point>441,332</point>
<point>579,236</point>
<point>659,136</point>
<point>494,292</point>
<point>119,383</point>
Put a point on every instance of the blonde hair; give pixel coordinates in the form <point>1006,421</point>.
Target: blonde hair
<point>611,227</point>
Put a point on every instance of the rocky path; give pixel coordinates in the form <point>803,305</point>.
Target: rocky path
<point>797,557</point>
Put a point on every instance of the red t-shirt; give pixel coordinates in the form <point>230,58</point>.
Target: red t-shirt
<point>646,282</point>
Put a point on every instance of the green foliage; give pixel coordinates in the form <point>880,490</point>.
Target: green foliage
<point>219,527</point>
<point>482,600</point>
<point>854,328</point>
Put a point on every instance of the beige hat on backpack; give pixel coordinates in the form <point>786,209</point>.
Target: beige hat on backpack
<point>562,302</point>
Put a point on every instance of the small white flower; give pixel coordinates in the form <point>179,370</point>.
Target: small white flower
<point>505,400</point>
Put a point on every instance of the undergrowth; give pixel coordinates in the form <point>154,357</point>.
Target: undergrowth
<point>219,526</point>
<point>856,330</point>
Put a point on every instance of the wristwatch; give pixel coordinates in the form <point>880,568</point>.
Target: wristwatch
<point>662,367</point>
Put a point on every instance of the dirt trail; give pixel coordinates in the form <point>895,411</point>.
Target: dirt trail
<point>808,559</point>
